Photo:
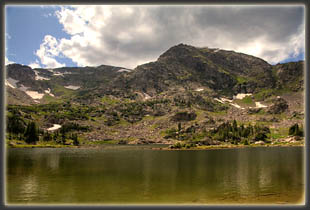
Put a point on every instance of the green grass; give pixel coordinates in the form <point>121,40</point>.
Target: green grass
<point>109,101</point>
<point>103,142</point>
<point>39,144</point>
<point>276,133</point>
<point>241,79</point>
<point>123,122</point>
<point>248,100</point>
<point>263,94</point>
<point>245,101</point>
<point>218,113</point>
<point>62,91</point>
<point>199,136</point>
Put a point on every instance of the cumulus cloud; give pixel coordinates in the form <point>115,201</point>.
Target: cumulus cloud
<point>48,51</point>
<point>131,35</point>
<point>7,61</point>
<point>35,64</point>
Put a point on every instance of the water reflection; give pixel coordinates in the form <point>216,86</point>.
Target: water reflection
<point>151,176</point>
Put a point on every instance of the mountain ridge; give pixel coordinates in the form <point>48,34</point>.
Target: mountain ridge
<point>185,95</point>
<point>182,66</point>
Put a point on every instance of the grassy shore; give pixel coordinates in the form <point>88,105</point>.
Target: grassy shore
<point>203,147</point>
<point>231,146</point>
<point>40,144</point>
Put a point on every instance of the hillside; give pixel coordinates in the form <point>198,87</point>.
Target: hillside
<point>185,95</point>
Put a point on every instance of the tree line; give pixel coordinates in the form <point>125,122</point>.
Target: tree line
<point>30,132</point>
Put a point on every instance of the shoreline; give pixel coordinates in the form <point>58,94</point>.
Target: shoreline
<point>203,147</point>
<point>219,147</point>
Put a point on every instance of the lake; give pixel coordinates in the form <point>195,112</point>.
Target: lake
<point>128,174</point>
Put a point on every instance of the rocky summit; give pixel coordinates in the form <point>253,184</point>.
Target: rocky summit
<point>188,94</point>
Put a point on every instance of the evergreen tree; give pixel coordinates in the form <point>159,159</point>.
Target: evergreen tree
<point>47,136</point>
<point>75,140</point>
<point>31,134</point>
<point>235,127</point>
<point>179,127</point>
<point>63,138</point>
<point>295,130</point>
<point>15,124</point>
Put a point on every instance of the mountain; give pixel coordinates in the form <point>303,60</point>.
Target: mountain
<point>197,87</point>
<point>44,85</point>
<point>190,67</point>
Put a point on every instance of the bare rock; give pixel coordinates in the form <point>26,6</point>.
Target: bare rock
<point>279,106</point>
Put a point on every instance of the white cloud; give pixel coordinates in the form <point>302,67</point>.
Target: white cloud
<point>48,51</point>
<point>35,64</point>
<point>47,15</point>
<point>7,62</point>
<point>131,35</point>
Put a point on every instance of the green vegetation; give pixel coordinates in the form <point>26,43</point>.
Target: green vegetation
<point>295,130</point>
<point>248,100</point>
<point>31,133</point>
<point>241,79</point>
<point>233,133</point>
<point>109,100</point>
<point>263,94</point>
<point>23,126</point>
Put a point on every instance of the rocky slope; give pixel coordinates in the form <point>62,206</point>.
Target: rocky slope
<point>189,89</point>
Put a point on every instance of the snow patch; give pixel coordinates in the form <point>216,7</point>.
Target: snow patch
<point>8,84</point>
<point>226,100</point>
<point>216,50</point>
<point>11,82</point>
<point>55,127</point>
<point>223,100</point>
<point>241,95</point>
<point>236,105</point>
<point>39,77</point>
<point>48,91</point>
<point>58,74</point>
<point>23,88</point>
<point>146,96</point>
<point>219,100</point>
<point>72,87</point>
<point>124,70</point>
<point>259,105</point>
<point>34,94</point>
<point>199,89</point>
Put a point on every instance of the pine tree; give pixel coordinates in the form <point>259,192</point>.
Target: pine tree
<point>235,127</point>
<point>179,127</point>
<point>75,140</point>
<point>31,134</point>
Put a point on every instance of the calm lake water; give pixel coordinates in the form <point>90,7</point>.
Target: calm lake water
<point>138,175</point>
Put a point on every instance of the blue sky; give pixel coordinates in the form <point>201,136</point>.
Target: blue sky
<point>127,36</point>
<point>26,27</point>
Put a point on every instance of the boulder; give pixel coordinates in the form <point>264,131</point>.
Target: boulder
<point>259,143</point>
<point>184,116</point>
<point>279,106</point>
<point>122,142</point>
<point>209,141</point>
<point>254,110</point>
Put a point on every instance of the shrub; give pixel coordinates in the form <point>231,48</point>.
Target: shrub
<point>294,130</point>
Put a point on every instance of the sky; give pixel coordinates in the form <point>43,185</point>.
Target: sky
<point>131,35</point>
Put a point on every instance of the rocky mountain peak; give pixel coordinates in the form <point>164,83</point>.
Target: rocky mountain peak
<point>20,72</point>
